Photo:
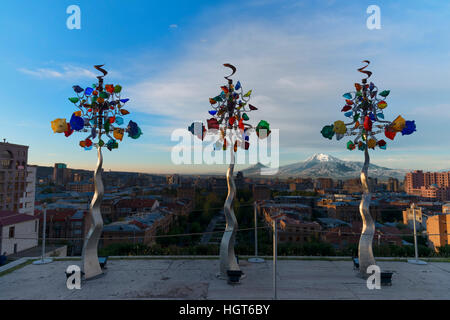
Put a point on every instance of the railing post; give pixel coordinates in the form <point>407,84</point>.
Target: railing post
<point>255,259</point>
<point>275,256</point>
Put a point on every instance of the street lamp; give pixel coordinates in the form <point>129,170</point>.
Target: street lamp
<point>101,111</point>
<point>229,110</point>
<point>43,259</point>
<point>365,108</point>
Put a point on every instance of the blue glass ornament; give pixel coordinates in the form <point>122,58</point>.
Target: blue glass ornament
<point>347,95</point>
<point>76,123</point>
<point>348,114</point>
<point>88,91</point>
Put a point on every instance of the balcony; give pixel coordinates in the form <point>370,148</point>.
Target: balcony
<point>193,277</point>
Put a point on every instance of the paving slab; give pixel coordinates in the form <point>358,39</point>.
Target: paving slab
<point>197,279</point>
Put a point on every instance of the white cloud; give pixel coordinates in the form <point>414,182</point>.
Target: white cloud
<point>65,72</point>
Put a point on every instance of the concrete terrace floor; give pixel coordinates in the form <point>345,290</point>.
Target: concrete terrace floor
<point>196,279</point>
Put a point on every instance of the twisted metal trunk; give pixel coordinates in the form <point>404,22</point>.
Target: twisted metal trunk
<point>228,259</point>
<point>365,253</point>
<point>91,265</point>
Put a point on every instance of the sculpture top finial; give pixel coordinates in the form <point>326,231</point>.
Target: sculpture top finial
<point>369,73</point>
<point>232,68</point>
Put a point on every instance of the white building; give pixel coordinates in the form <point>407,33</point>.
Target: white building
<point>18,232</point>
<point>27,201</point>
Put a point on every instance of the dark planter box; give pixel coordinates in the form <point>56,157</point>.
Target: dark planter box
<point>386,278</point>
<point>234,276</point>
<point>103,261</point>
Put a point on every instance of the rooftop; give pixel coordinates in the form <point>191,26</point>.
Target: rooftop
<point>8,218</point>
<point>195,278</point>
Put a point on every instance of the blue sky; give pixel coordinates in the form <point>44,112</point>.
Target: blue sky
<point>299,57</point>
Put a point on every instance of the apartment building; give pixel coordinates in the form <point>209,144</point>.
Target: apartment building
<point>438,230</point>
<point>13,175</point>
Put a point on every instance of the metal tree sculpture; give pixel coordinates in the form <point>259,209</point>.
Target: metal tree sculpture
<point>365,109</point>
<point>229,111</point>
<point>100,114</point>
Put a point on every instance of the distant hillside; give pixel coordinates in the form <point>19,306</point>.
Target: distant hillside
<point>323,165</point>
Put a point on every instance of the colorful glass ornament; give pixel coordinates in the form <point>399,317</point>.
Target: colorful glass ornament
<point>339,127</point>
<point>213,124</point>
<point>230,110</point>
<point>389,133</point>
<point>382,104</point>
<point>398,124</point>
<point>365,108</point>
<point>346,108</point>
<point>347,95</point>
<point>78,89</point>
<point>327,132</point>
<point>367,123</point>
<point>384,93</point>
<point>409,128</point>
<point>97,105</point>
<point>351,145</point>
<point>371,143</point>
<point>76,123</point>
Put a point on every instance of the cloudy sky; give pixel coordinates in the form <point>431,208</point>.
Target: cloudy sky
<point>299,57</point>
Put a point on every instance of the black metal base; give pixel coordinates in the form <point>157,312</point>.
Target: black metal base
<point>234,276</point>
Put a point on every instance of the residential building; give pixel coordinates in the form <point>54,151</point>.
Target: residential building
<point>348,211</point>
<point>306,200</point>
<point>18,232</point>
<point>408,218</point>
<point>126,207</point>
<point>296,231</point>
<point>344,235</point>
<point>80,186</point>
<point>27,201</point>
<point>435,185</point>
<point>61,175</point>
<point>354,185</point>
<point>173,179</point>
<point>13,175</point>
<point>261,192</point>
<point>293,227</point>
<point>393,185</point>
<point>294,210</point>
<point>219,185</point>
<point>138,228</point>
<point>69,225</point>
<point>324,183</point>
<point>186,191</point>
<point>438,230</point>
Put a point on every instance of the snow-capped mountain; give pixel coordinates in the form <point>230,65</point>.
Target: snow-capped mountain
<point>324,165</point>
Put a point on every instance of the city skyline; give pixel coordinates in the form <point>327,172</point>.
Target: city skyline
<point>298,58</point>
